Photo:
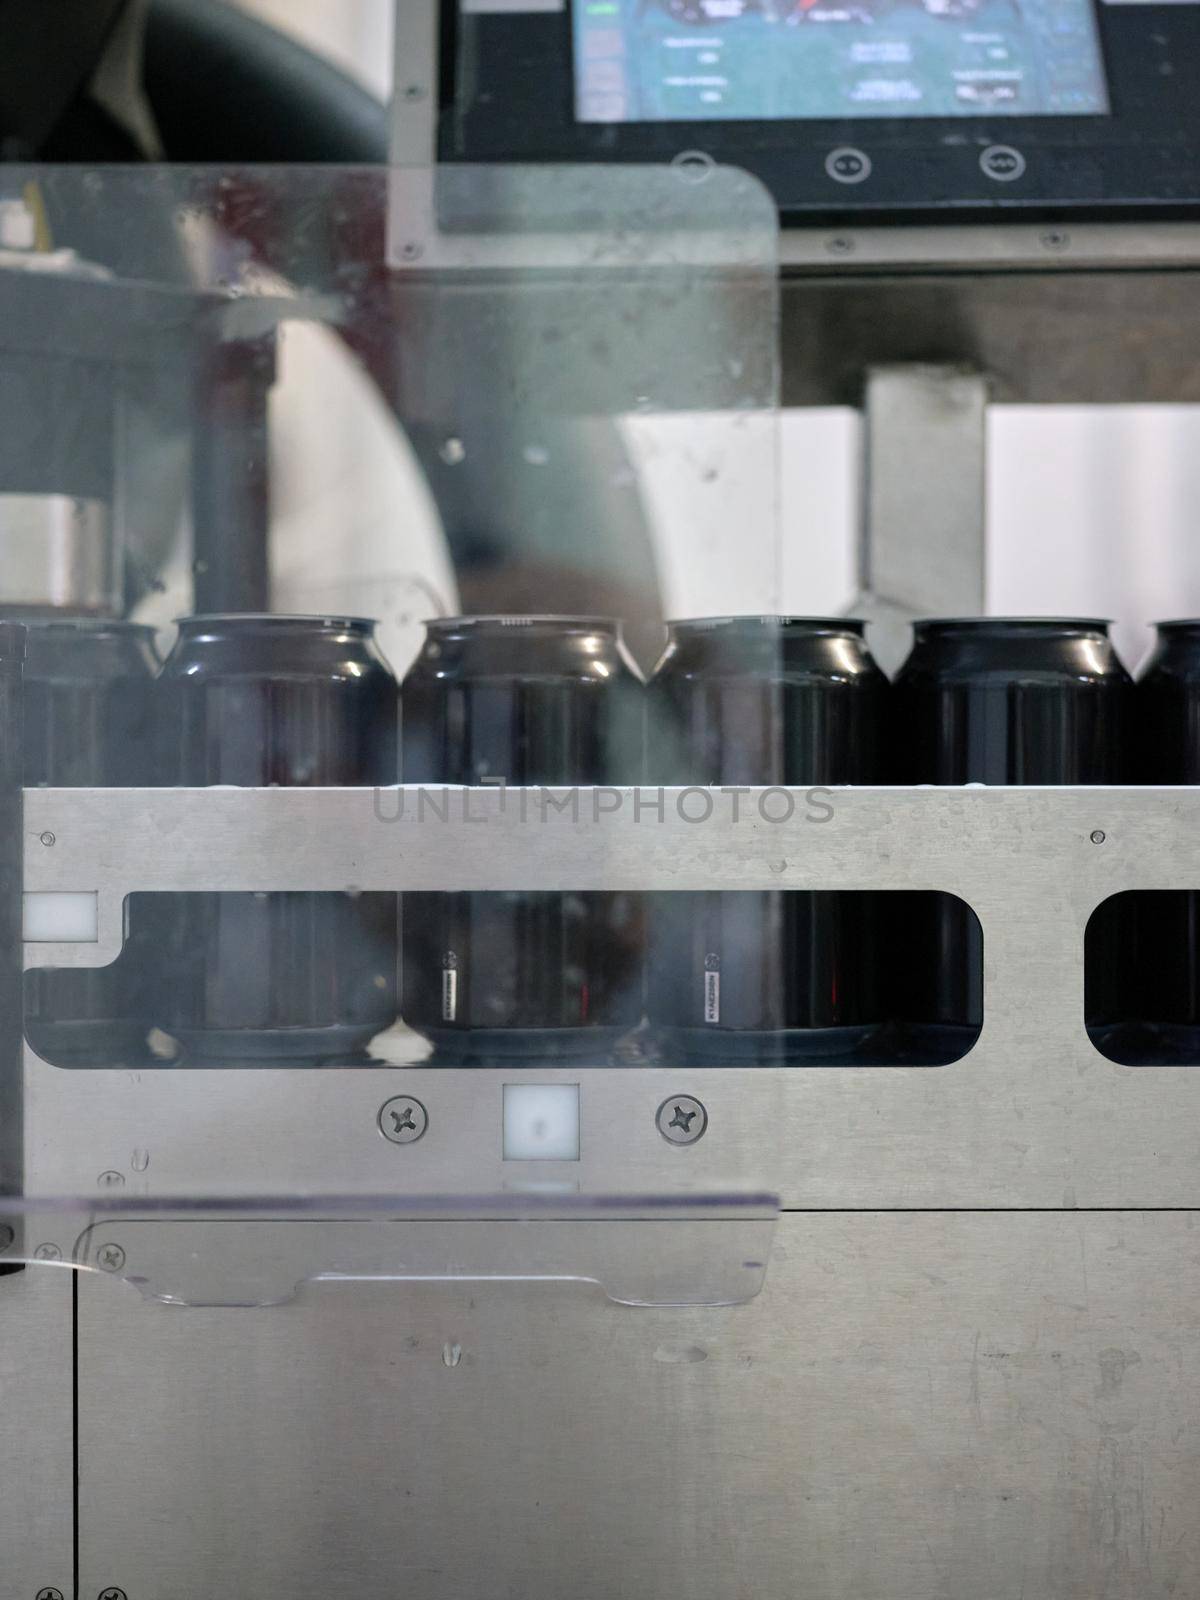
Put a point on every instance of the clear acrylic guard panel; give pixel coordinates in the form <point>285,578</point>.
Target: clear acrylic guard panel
<point>498,393</point>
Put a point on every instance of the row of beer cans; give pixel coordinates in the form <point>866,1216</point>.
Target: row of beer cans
<point>755,977</point>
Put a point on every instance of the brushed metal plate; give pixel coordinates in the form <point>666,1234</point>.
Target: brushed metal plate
<point>915,1408</point>
<point>1032,1117</point>
<point>991,247</point>
<point>36,1432</point>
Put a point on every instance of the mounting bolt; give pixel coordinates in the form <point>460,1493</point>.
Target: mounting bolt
<point>1055,239</point>
<point>110,1258</point>
<point>47,838</point>
<point>49,1594</point>
<point>410,251</point>
<point>682,1119</point>
<point>110,1180</point>
<point>402,1120</point>
<point>47,1252</point>
<point>6,1237</point>
<point>414,91</point>
<point>840,245</point>
<point>112,1594</point>
<point>1098,836</point>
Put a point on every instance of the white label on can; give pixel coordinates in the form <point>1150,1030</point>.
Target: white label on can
<point>449,994</point>
<point>712,995</point>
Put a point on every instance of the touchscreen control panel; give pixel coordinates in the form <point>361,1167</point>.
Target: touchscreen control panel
<point>904,110</point>
<point>691,60</point>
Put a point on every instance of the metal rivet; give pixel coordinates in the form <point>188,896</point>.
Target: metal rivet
<point>414,91</point>
<point>839,245</point>
<point>402,1120</point>
<point>410,251</point>
<point>112,1594</point>
<point>1098,836</point>
<point>6,1237</point>
<point>47,1252</point>
<point>1053,239</point>
<point>110,1180</point>
<point>682,1119</point>
<point>47,838</point>
<point>110,1258</point>
<point>49,1594</point>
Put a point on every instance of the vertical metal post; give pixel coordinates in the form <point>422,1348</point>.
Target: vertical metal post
<point>12,876</point>
<point>415,102</point>
<point>231,476</point>
<point>924,528</point>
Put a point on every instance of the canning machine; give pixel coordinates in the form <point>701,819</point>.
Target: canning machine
<point>491,1105</point>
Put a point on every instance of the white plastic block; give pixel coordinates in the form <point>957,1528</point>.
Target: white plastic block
<point>541,1122</point>
<point>61,918</point>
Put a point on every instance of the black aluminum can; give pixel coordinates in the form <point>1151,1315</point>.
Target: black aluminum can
<point>766,976</point>
<point>534,701</point>
<point>88,721</point>
<point>999,700</point>
<point>304,702</point>
<point>1164,926</point>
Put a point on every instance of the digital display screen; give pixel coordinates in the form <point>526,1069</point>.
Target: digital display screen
<point>704,60</point>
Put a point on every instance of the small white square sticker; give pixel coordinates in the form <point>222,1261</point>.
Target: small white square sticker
<point>54,918</point>
<point>541,1122</point>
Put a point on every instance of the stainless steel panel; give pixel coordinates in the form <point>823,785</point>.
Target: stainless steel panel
<point>990,247</point>
<point>994,247</point>
<point>36,1432</point>
<point>1033,1116</point>
<point>639,1256</point>
<point>996,846</point>
<point>925,1407</point>
<point>415,99</point>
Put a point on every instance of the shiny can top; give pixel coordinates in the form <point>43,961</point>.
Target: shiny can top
<point>1175,652</point>
<point>528,647</point>
<point>1011,700</point>
<point>86,649</point>
<point>766,700</point>
<point>276,699</point>
<point>775,647</point>
<point>532,699</point>
<point>1024,649</point>
<point>248,644</point>
<point>1167,746</point>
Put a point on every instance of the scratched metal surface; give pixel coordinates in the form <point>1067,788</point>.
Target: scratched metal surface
<point>918,1407</point>
<point>36,1548</point>
<point>1033,1116</point>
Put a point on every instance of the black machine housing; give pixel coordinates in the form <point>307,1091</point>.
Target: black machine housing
<point>508,94</point>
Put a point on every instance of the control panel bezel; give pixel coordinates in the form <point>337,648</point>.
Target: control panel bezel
<point>507,93</point>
